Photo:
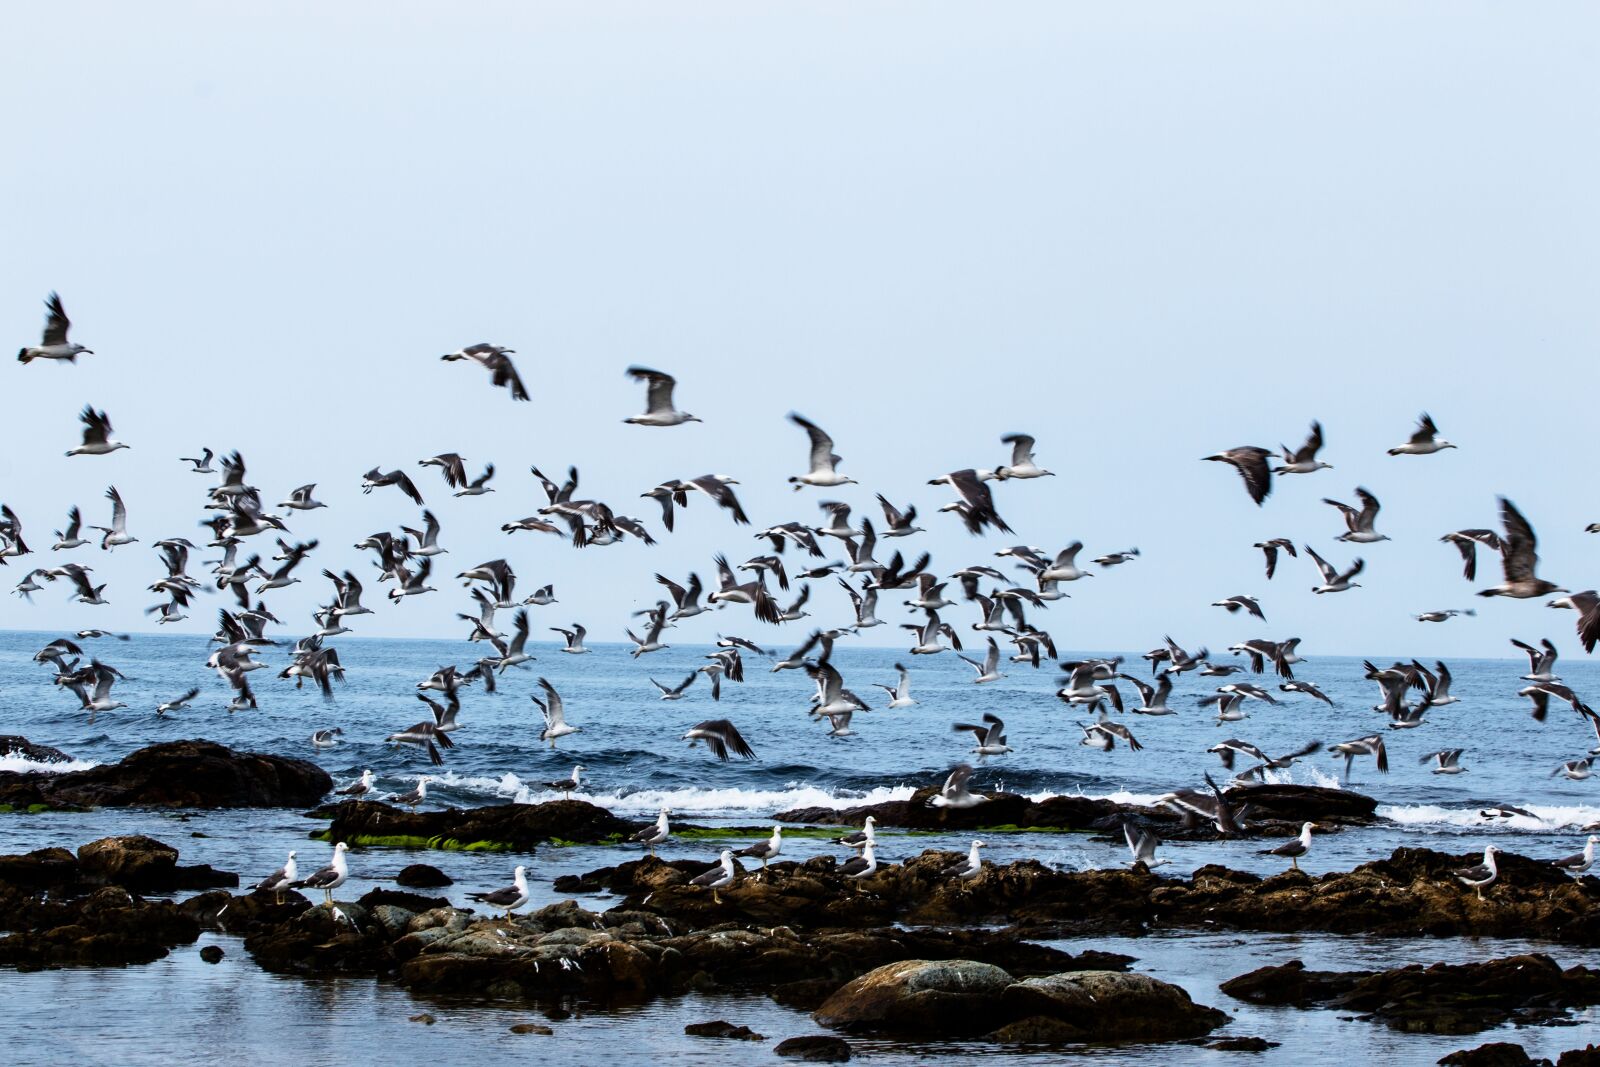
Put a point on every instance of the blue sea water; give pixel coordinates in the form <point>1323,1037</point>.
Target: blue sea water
<point>636,762</point>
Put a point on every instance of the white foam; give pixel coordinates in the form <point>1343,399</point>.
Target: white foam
<point>1549,817</point>
<point>701,801</point>
<point>22,765</point>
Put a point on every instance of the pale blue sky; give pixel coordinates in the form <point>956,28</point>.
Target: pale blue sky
<point>1142,232</point>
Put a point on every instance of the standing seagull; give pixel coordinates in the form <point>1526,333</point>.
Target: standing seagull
<point>767,850</point>
<point>1574,864</point>
<point>1293,849</point>
<point>824,461</point>
<point>655,834</point>
<point>1482,875</point>
<point>1518,559</point>
<point>330,877</point>
<point>1424,441</point>
<point>658,400</point>
<point>280,879</point>
<point>719,877</point>
<point>54,344</point>
<point>1304,460</point>
<point>1251,463</point>
<point>511,897</point>
<point>566,786</point>
<point>97,440</point>
<point>968,868</point>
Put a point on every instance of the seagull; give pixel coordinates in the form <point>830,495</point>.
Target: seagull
<point>989,669</point>
<point>327,878</point>
<point>300,499</point>
<point>424,734</point>
<point>1446,761</point>
<point>655,834</point>
<point>1577,769</point>
<point>1332,580</point>
<point>754,593</point>
<point>721,737</point>
<point>719,877</point>
<point>899,523</point>
<point>511,897</point>
<point>497,361</point>
<point>1293,849</point>
<point>326,738</point>
<point>416,796</point>
<point>1103,735</point>
<point>675,694</point>
<point>97,440</point>
<point>1587,605</point>
<point>651,642</point>
<point>375,479</point>
<point>408,584</point>
<point>1359,523</point>
<point>976,506</point>
<point>1251,463</point>
<point>1425,440</point>
<point>361,787</point>
<point>1142,847</point>
<point>1541,661</point>
<point>954,793</point>
<point>900,692</point>
<point>1467,542</point>
<point>279,880</point>
<point>861,866</point>
<point>824,462</point>
<point>970,867</point>
<point>68,539</point>
<point>1304,460</point>
<point>767,850</point>
<point>574,638</point>
<point>1271,549</point>
<point>1022,464</point>
<point>479,485</point>
<point>857,838</point>
<point>54,343</point>
<point>178,704</point>
<point>1518,559</point>
<point>658,400</point>
<point>567,786</point>
<point>1152,699</point>
<point>1234,604</point>
<point>202,465</point>
<point>514,654</point>
<point>1443,615</point>
<point>1371,745</point>
<point>555,714</point>
<point>1578,862</point>
<point>990,737</point>
<point>1116,559</point>
<point>1482,875</point>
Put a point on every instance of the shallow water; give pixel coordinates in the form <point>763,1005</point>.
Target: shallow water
<point>636,763</point>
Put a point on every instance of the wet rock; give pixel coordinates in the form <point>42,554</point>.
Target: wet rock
<point>1111,1006</point>
<point>1588,1056</point>
<point>422,876</point>
<point>1494,1054</point>
<point>341,940</point>
<point>1241,1044</point>
<point>1290,983</point>
<point>503,827</point>
<point>942,997</point>
<point>817,1048</point>
<point>721,1028</point>
<point>211,953</point>
<point>17,746</point>
<point>107,928</point>
<point>145,864</point>
<point>532,1028</point>
<point>425,1019</point>
<point>175,774</point>
<point>40,869</point>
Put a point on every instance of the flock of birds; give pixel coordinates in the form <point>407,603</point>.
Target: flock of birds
<point>237,514</point>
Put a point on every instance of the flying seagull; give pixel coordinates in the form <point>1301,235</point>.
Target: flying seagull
<point>1304,459</point>
<point>54,344</point>
<point>721,737</point>
<point>1587,605</point>
<point>1022,464</point>
<point>1359,523</point>
<point>497,361</point>
<point>1271,549</point>
<point>658,400</point>
<point>1518,559</point>
<point>1424,441</point>
<point>97,439</point>
<point>824,461</point>
<point>1332,580</point>
<point>1251,463</point>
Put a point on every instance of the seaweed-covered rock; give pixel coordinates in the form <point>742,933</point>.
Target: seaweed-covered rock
<point>175,774</point>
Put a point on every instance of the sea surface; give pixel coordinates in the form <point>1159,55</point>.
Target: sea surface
<point>636,763</point>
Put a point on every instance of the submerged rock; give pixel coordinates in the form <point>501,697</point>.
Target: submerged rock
<point>20,747</point>
<point>499,828</point>
<point>816,1048</point>
<point>175,774</point>
<point>722,1028</point>
<point>1442,999</point>
<point>422,876</point>
<point>1494,1054</point>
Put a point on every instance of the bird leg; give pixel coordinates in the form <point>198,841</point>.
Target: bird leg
<point>716,897</point>
<point>1295,862</point>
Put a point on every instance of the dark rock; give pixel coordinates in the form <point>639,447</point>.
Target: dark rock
<point>143,863</point>
<point>1588,1056</point>
<point>1104,1006</point>
<point>106,928</point>
<point>532,1028</point>
<point>41,869</point>
<point>175,774</point>
<point>422,876</point>
<point>211,953</point>
<point>1241,1044</point>
<point>818,1048</point>
<point>425,1019</point>
<point>15,745</point>
<point>511,827</point>
<point>1494,1054</point>
<point>1290,983</point>
<point>721,1028</point>
<point>409,901</point>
